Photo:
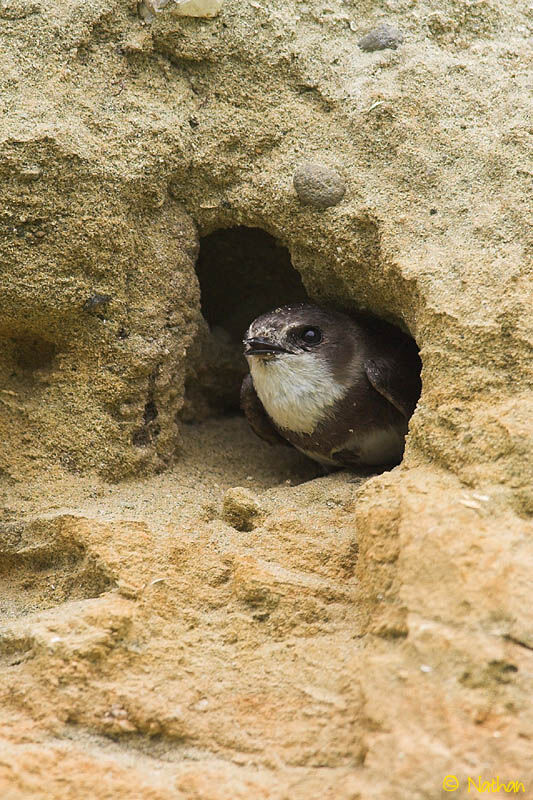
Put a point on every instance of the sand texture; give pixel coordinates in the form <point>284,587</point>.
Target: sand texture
<point>187,613</point>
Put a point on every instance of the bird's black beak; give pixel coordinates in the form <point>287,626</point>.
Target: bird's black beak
<point>260,346</point>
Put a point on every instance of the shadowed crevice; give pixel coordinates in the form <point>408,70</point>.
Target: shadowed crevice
<point>243,272</point>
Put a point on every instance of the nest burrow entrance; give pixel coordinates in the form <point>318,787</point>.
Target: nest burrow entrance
<point>243,272</point>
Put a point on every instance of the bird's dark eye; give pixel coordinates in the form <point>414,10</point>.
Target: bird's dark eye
<point>311,335</point>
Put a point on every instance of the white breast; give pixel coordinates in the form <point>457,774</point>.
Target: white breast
<point>297,391</point>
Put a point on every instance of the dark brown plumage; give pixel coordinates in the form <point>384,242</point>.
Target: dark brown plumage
<point>338,388</point>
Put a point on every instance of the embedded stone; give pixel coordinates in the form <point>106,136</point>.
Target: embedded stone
<point>319,186</point>
<point>240,508</point>
<point>381,38</point>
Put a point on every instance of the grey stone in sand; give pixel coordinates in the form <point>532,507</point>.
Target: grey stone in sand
<point>317,185</point>
<point>381,38</point>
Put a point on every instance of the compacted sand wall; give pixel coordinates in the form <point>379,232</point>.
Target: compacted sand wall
<point>213,632</point>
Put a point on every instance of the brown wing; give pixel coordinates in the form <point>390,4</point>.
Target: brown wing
<point>256,415</point>
<point>396,376</point>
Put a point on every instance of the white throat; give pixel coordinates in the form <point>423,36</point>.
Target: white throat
<point>297,390</point>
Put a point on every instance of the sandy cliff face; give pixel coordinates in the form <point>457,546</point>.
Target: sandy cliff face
<point>236,627</point>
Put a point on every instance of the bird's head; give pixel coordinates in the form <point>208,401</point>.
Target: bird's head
<point>297,330</point>
<point>305,360</point>
<point>301,358</point>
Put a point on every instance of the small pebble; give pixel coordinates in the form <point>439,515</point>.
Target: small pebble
<point>381,38</point>
<point>319,186</point>
<point>240,508</point>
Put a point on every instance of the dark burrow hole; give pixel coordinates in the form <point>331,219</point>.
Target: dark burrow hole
<point>31,353</point>
<point>244,272</point>
<point>150,429</point>
<point>26,360</point>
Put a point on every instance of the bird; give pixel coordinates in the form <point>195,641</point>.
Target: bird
<point>340,388</point>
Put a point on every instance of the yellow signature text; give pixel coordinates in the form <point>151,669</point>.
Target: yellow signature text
<point>481,786</point>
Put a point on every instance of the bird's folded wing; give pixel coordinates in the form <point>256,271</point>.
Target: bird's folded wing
<point>397,380</point>
<point>256,415</point>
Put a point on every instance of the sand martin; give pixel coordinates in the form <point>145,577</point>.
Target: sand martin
<point>338,388</point>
